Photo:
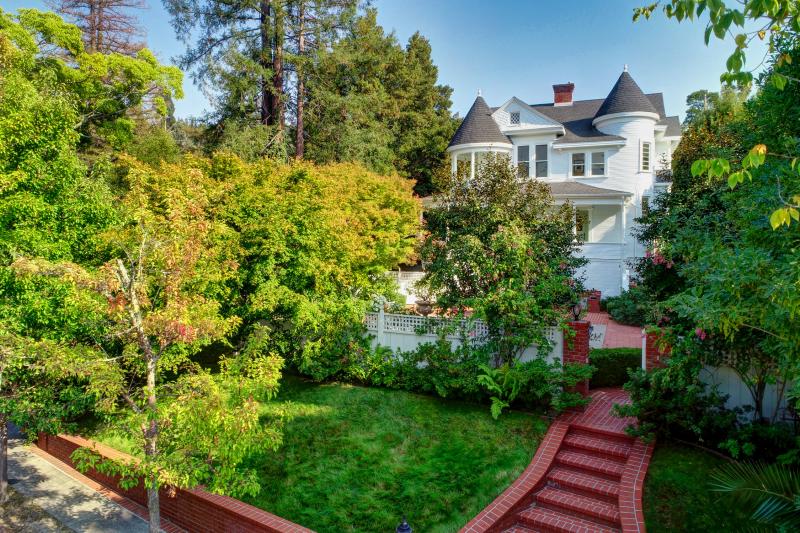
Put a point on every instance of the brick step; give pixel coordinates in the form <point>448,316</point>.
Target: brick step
<point>519,529</point>
<point>593,431</point>
<point>584,482</point>
<point>553,521</point>
<point>585,461</point>
<point>591,508</point>
<point>598,444</point>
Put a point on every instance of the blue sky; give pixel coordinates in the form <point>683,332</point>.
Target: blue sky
<point>521,48</point>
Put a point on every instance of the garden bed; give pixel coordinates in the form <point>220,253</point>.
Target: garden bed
<point>358,459</point>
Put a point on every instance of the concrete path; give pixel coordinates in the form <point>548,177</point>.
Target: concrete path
<point>71,503</point>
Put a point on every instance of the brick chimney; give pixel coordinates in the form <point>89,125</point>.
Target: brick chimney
<point>562,93</point>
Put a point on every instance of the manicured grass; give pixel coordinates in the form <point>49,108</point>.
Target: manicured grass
<point>358,459</point>
<point>677,495</point>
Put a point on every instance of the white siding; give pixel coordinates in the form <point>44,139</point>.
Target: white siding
<point>603,275</point>
<point>605,226</point>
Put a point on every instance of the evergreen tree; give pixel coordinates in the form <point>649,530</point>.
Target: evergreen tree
<point>374,101</point>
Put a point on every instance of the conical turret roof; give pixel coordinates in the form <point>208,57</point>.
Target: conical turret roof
<point>478,126</point>
<point>626,97</point>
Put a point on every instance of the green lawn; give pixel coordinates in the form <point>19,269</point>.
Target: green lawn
<point>677,497</point>
<point>358,459</point>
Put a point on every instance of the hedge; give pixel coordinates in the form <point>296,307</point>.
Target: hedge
<point>612,365</point>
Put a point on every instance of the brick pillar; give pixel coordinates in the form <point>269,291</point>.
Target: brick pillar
<point>594,301</point>
<point>655,353</point>
<point>576,350</point>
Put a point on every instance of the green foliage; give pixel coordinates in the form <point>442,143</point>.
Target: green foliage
<point>378,103</point>
<point>674,402</point>
<point>154,145</point>
<point>534,383</point>
<point>613,365</point>
<point>633,307</point>
<point>497,246</point>
<point>770,491</point>
<point>102,89</point>
<point>253,142</point>
<point>315,244</point>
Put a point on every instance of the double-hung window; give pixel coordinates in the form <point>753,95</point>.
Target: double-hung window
<point>598,164</point>
<point>579,165</point>
<point>523,161</point>
<point>646,156</point>
<point>541,160</point>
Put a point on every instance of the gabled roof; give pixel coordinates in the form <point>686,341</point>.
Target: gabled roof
<point>626,97</point>
<point>577,121</point>
<point>673,125</point>
<point>575,188</point>
<point>478,126</point>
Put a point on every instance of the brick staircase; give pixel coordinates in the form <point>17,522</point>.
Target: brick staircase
<point>587,476</point>
<point>581,489</point>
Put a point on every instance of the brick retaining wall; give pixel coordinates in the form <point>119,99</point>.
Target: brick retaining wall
<point>192,509</point>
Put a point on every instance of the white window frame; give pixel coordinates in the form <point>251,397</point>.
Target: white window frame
<point>516,156</point>
<point>535,161</point>
<point>649,145</point>
<point>591,163</point>
<point>588,210</point>
<point>511,118</point>
<point>645,202</point>
<point>585,166</point>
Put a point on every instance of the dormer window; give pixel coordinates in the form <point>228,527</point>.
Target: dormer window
<point>515,118</point>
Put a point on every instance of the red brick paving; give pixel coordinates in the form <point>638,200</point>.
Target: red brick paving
<point>617,335</point>
<point>587,476</point>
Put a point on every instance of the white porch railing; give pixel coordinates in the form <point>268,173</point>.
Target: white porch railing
<point>405,282</point>
<point>404,333</point>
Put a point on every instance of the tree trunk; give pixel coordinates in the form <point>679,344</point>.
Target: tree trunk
<point>300,143</point>
<point>150,448</point>
<point>277,66</point>
<point>265,61</point>
<point>92,27</point>
<point>3,459</point>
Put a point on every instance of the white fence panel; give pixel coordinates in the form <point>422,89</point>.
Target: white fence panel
<point>404,333</point>
<point>728,382</point>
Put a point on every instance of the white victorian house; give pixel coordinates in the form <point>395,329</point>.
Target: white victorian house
<point>601,155</point>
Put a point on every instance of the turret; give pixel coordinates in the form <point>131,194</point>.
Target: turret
<point>477,135</point>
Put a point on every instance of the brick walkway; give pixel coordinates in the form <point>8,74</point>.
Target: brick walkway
<point>586,476</point>
<point>617,335</point>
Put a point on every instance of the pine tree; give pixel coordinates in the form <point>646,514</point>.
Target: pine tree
<point>107,25</point>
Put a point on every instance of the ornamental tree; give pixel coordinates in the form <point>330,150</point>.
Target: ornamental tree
<point>159,295</point>
<point>498,245</point>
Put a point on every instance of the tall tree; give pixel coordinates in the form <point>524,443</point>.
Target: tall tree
<point>374,101</point>
<point>107,25</point>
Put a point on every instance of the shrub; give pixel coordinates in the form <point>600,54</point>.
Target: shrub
<point>632,307</point>
<point>612,365</point>
<point>674,402</point>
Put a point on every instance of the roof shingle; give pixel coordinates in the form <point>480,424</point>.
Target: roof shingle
<point>478,126</point>
<point>626,97</point>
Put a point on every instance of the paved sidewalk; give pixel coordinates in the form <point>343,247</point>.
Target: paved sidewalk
<point>71,503</point>
<point>616,335</point>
